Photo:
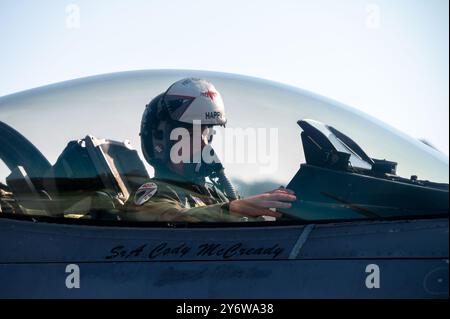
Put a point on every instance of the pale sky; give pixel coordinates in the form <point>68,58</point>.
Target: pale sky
<point>388,58</point>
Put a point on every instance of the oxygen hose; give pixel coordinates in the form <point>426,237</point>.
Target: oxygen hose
<point>214,171</point>
<point>226,185</point>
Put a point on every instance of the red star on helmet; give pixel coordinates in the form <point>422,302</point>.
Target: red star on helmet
<point>210,94</point>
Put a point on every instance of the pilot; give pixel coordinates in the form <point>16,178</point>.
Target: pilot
<point>176,133</point>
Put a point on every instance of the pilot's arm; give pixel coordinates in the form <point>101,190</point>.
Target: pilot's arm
<point>165,204</point>
<point>164,209</point>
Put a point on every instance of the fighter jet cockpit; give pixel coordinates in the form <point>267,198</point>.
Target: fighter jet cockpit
<point>76,150</point>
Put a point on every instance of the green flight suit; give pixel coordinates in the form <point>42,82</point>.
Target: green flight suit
<point>179,202</point>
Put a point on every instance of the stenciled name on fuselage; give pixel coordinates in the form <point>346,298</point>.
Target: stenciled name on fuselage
<point>165,250</point>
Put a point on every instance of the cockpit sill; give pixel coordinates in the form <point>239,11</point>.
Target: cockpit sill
<point>272,224</point>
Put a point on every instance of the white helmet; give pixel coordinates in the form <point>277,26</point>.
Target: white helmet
<point>184,102</point>
<point>195,99</point>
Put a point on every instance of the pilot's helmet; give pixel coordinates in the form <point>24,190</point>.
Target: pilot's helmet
<point>186,102</point>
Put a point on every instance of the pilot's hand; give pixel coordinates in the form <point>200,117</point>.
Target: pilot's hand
<point>260,205</point>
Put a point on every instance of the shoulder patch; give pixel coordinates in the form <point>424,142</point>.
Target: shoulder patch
<point>145,193</point>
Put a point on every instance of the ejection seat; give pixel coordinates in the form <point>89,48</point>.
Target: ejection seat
<point>95,175</point>
<point>91,177</point>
